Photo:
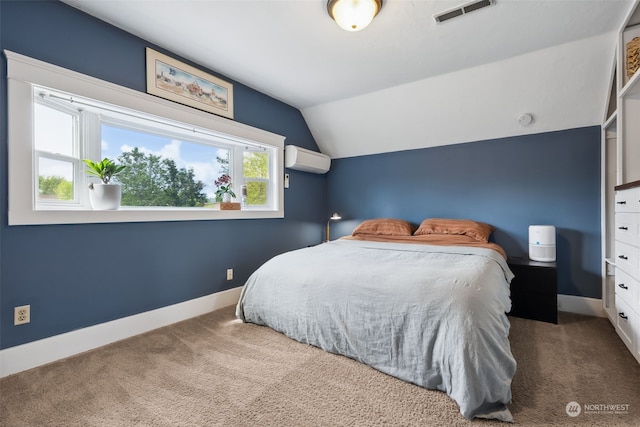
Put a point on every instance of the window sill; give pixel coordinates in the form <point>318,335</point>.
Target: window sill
<point>41,217</point>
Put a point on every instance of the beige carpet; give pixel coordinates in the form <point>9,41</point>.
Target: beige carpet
<point>216,371</point>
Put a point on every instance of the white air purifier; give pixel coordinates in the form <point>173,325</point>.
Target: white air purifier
<point>542,243</point>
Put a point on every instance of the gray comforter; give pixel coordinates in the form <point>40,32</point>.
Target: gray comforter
<point>430,315</point>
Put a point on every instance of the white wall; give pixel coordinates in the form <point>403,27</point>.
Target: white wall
<point>564,87</point>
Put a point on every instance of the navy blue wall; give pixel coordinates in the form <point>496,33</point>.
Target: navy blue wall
<point>550,178</point>
<point>513,182</point>
<point>56,270</point>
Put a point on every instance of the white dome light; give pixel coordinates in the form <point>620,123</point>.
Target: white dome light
<point>353,15</point>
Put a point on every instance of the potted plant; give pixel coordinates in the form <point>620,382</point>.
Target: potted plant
<point>105,195</point>
<point>224,193</point>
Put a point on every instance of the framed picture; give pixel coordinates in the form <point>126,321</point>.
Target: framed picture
<point>179,82</point>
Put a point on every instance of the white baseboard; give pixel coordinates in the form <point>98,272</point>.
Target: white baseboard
<point>47,350</point>
<point>581,305</point>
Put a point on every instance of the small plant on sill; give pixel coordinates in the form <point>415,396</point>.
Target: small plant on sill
<point>224,187</point>
<point>105,169</point>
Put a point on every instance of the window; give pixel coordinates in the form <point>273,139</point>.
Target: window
<point>56,154</point>
<point>168,165</point>
<point>255,169</point>
<point>173,153</point>
<point>164,170</point>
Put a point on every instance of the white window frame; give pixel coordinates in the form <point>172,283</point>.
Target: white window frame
<point>245,180</point>
<point>24,72</point>
<point>80,198</point>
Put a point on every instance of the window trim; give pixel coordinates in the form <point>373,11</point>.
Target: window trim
<point>246,180</point>
<point>79,199</point>
<point>24,72</point>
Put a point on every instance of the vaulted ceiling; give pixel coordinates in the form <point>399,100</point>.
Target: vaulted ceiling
<point>405,81</point>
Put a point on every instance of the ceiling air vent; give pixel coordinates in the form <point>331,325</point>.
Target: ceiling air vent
<point>462,9</point>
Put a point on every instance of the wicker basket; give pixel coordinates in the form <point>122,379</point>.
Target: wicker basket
<point>633,56</point>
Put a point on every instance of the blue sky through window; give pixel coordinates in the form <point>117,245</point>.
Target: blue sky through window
<point>199,157</point>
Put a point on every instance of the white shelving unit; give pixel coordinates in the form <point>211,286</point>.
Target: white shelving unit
<point>609,181</point>
<point>628,104</point>
<point>621,178</point>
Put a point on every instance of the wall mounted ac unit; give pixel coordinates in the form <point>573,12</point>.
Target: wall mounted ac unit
<point>306,160</point>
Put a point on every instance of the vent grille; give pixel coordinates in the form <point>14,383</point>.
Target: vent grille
<point>461,10</point>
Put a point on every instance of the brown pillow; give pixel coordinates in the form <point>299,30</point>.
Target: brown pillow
<point>383,227</point>
<point>478,230</point>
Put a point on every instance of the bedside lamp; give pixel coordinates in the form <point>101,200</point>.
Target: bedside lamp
<point>334,217</point>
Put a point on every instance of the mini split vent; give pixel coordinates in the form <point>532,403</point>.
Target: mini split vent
<point>461,10</point>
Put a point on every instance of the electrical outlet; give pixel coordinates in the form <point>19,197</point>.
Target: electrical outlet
<point>22,315</point>
<point>229,273</point>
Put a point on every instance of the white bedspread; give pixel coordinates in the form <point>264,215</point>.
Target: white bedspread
<point>430,315</point>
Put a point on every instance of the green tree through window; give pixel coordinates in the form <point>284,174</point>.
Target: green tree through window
<point>151,180</point>
<point>256,172</point>
<point>55,187</point>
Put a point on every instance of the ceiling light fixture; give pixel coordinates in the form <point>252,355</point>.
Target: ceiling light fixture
<point>353,15</point>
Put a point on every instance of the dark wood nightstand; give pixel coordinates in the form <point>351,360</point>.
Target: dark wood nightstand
<point>534,289</point>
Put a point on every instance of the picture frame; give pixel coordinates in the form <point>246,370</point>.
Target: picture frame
<point>179,82</point>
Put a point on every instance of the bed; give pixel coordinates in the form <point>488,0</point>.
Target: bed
<point>427,307</point>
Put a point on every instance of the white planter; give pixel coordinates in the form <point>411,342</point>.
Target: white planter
<point>226,197</point>
<point>105,197</point>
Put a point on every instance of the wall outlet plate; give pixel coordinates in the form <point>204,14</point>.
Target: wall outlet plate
<point>22,315</point>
